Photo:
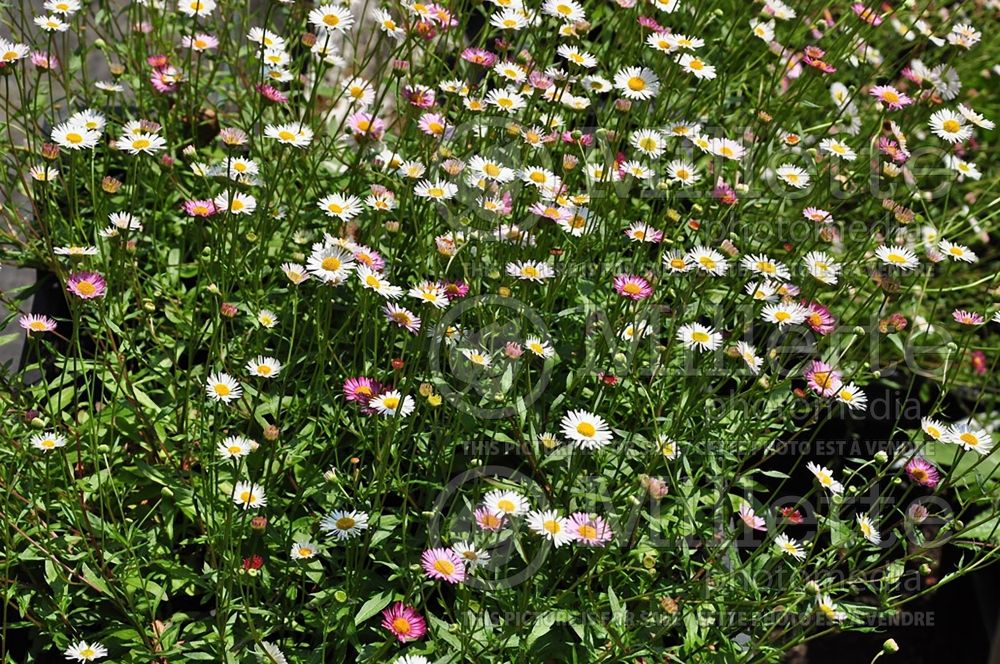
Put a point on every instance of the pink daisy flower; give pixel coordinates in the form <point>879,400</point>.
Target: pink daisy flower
<point>372,259</point>
<point>272,94</point>
<point>819,319</point>
<point>632,286</point>
<point>420,96</point>
<point>923,472</point>
<point>44,60</point>
<point>751,519</point>
<point>165,79</point>
<point>479,56</point>
<point>402,317</point>
<point>890,97</point>
<point>365,125</point>
<point>978,360</point>
<point>822,379</point>
<point>589,531</point>
<point>725,194</point>
<point>433,124</point>
<point>967,317</point>
<point>869,16</point>
<point>86,285</point>
<point>36,323</point>
<point>817,215</point>
<point>454,290</point>
<point>488,520</point>
<point>443,564</point>
<point>891,149</point>
<point>550,211</point>
<point>404,622</point>
<point>361,390</point>
<point>651,24</point>
<point>199,208</point>
<point>200,42</point>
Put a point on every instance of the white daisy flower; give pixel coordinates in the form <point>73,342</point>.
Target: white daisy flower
<point>587,430</point>
<point>223,387</point>
<point>551,526</point>
<point>344,524</point>
<point>391,403</point>
<point>696,336</point>
<point>248,495</point>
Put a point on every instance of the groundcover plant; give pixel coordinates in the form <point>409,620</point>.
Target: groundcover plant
<point>507,331</point>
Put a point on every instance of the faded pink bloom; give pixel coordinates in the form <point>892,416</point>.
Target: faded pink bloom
<point>967,317</point>
<point>823,379</point>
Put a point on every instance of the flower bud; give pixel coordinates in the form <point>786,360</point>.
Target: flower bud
<point>890,647</point>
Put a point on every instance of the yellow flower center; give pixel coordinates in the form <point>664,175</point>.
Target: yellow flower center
<point>445,567</point>
<point>263,370</point>
<point>700,337</point>
<point>586,429</point>
<point>969,439</point>
<point>305,552</point>
<point>222,389</point>
<point>552,526</point>
<point>391,402</point>
<point>332,20</point>
<point>587,531</point>
<point>636,84</point>
<point>74,138</point>
<point>401,625</point>
<point>247,497</point>
<point>86,288</point>
<point>506,505</point>
<point>345,523</point>
<point>286,135</point>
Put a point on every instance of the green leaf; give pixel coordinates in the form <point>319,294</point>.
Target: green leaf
<point>373,606</point>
